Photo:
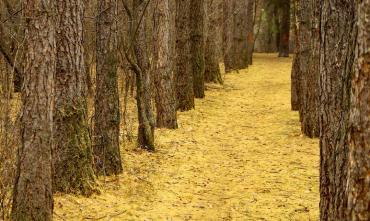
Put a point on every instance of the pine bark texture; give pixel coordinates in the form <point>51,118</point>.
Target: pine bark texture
<point>308,47</point>
<point>213,51</point>
<point>359,159</point>
<point>32,196</point>
<point>165,77</point>
<point>72,154</point>
<point>338,37</point>
<point>295,75</point>
<point>284,29</point>
<point>107,156</point>
<point>143,78</point>
<point>240,30</point>
<point>197,16</point>
<point>227,38</point>
<point>184,70</point>
<point>251,19</point>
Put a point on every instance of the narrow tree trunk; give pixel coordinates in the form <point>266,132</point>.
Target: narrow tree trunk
<point>295,75</point>
<point>227,38</point>
<point>72,155</point>
<point>251,19</point>
<point>197,16</point>
<point>165,96</point>
<point>338,37</point>
<point>143,81</point>
<point>33,197</point>
<point>284,30</point>
<point>184,71</point>
<point>359,159</point>
<point>107,115</point>
<point>213,41</point>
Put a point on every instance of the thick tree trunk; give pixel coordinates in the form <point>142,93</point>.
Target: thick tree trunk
<point>240,30</point>
<point>359,159</point>
<point>284,30</point>
<point>33,197</point>
<point>72,154</point>
<point>197,16</point>
<point>107,112</point>
<point>143,81</point>
<point>165,77</point>
<point>213,41</point>
<point>184,71</point>
<point>338,37</point>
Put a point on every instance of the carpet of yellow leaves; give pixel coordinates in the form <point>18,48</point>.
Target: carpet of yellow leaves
<point>238,156</point>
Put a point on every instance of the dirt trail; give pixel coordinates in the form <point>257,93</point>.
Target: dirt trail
<point>238,156</point>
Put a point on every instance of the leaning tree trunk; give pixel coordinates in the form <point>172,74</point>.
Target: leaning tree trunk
<point>143,81</point>
<point>33,197</point>
<point>107,156</point>
<point>72,154</point>
<point>359,159</point>
<point>197,25</point>
<point>213,41</point>
<point>184,71</point>
<point>338,37</point>
<point>165,77</point>
<point>284,30</point>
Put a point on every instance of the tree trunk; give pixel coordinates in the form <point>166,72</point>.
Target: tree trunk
<point>227,38</point>
<point>197,23</point>
<point>33,197</point>
<point>359,160</point>
<point>240,31</point>
<point>213,41</point>
<point>284,29</point>
<point>72,154</point>
<point>165,96</point>
<point>338,37</point>
<point>107,156</point>
<point>295,75</point>
<point>251,19</point>
<point>184,71</point>
<point>143,81</point>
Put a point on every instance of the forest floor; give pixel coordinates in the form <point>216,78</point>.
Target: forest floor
<point>238,156</point>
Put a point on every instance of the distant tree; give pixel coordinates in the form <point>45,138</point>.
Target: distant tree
<point>184,70</point>
<point>251,20</point>
<point>33,196</point>
<point>213,52</point>
<point>337,48</point>
<point>359,149</point>
<point>284,29</point>
<point>107,109</point>
<point>165,77</point>
<point>72,154</point>
<point>240,33</point>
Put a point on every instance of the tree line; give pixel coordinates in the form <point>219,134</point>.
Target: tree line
<point>330,89</point>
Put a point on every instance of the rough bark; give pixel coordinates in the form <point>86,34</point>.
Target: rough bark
<point>143,80</point>
<point>240,44</point>
<point>251,19</point>
<point>197,25</point>
<point>165,77</point>
<point>338,36</point>
<point>33,197</point>
<point>107,156</point>
<point>295,75</point>
<point>227,38</point>
<point>213,41</point>
<point>72,154</point>
<point>359,159</point>
<point>184,71</point>
<point>284,29</point>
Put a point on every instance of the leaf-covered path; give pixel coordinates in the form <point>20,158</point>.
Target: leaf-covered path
<point>238,156</point>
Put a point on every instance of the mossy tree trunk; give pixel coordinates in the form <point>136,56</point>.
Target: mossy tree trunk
<point>359,159</point>
<point>165,77</point>
<point>213,49</point>
<point>337,49</point>
<point>197,26</point>
<point>33,196</point>
<point>184,70</point>
<point>143,74</point>
<point>72,154</point>
<point>107,156</point>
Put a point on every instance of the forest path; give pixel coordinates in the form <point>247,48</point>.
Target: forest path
<point>238,156</point>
